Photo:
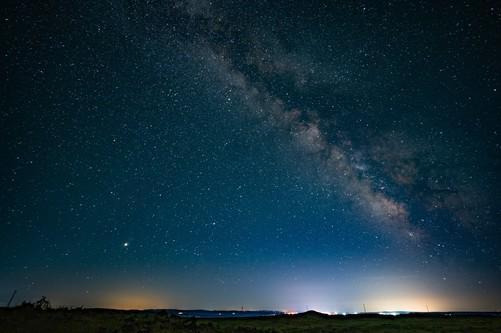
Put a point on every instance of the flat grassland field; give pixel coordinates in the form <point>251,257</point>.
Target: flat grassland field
<point>100,321</point>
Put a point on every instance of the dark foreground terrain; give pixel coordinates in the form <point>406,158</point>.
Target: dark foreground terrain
<point>94,320</point>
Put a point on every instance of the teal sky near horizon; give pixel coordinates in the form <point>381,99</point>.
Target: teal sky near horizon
<point>275,155</point>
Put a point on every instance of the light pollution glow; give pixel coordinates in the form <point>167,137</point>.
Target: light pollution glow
<point>133,300</point>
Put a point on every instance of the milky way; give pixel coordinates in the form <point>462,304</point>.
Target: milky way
<point>278,155</point>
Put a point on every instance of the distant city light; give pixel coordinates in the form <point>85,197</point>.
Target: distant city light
<point>389,313</point>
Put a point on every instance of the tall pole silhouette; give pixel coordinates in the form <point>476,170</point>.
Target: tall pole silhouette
<point>11,298</point>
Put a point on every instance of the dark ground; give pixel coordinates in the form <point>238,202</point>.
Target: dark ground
<point>90,321</point>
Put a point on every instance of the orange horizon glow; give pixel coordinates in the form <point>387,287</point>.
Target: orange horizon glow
<point>133,301</point>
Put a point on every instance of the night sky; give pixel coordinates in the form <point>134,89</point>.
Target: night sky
<point>284,155</point>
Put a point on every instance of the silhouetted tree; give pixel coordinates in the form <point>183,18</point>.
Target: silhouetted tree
<point>42,304</point>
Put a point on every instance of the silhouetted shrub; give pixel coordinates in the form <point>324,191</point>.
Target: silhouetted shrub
<point>42,304</point>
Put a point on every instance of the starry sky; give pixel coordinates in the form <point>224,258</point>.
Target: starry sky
<point>286,155</point>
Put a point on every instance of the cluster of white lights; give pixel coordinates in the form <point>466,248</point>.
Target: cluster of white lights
<point>389,313</point>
